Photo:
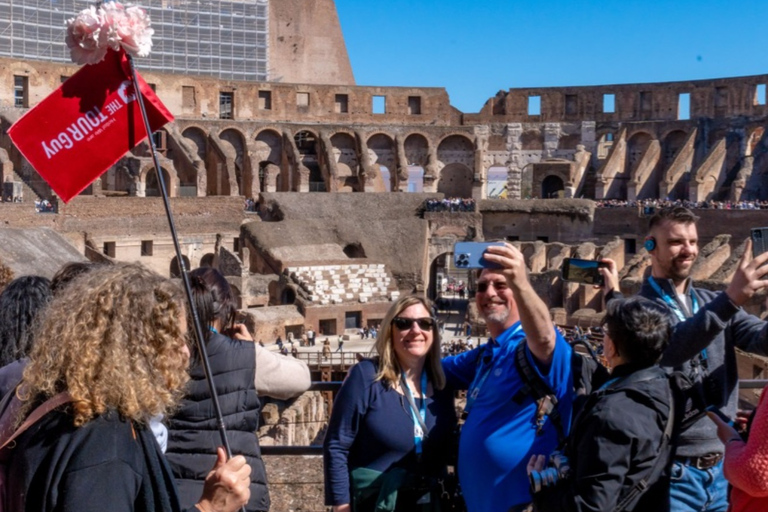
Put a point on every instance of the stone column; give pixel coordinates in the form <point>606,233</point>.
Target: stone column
<point>514,170</point>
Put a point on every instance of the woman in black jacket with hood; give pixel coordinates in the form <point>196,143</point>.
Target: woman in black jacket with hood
<point>617,438</point>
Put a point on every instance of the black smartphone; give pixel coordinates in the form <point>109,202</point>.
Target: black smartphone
<point>470,255</point>
<point>583,271</point>
<point>759,241</point>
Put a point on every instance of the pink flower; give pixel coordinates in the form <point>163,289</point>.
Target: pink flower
<point>85,38</point>
<point>94,31</point>
<point>128,28</point>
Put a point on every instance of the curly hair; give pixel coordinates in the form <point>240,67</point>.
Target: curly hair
<point>114,339</point>
<point>389,366</point>
<point>20,303</point>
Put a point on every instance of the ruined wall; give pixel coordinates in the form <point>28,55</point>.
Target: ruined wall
<point>306,44</point>
<point>566,221</point>
<point>631,102</point>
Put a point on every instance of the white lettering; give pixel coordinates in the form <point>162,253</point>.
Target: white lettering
<point>65,140</point>
<point>84,125</point>
<point>76,133</point>
<point>48,151</point>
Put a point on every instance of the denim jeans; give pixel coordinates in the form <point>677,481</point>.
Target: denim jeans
<point>698,490</point>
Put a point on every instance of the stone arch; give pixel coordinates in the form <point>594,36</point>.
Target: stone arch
<point>417,150</point>
<point>455,181</point>
<point>198,138</point>
<point>456,149</point>
<point>268,152</point>
<point>347,162</point>
<point>552,187</point>
<point>354,250</point>
<point>236,140</point>
<point>207,260</point>
<point>268,146</point>
<point>287,296</point>
<point>673,142</point>
<point>532,140</point>
<point>383,155</point>
<point>148,178</point>
<point>307,143</point>
<point>636,146</point>
<point>175,270</point>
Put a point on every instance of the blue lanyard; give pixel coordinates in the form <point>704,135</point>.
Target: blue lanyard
<point>482,376</point>
<point>213,329</point>
<point>676,307</point>
<point>419,424</point>
<point>673,303</point>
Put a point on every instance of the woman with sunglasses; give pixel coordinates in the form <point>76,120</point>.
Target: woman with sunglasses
<point>391,420</point>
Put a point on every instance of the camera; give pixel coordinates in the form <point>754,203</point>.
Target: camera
<point>557,469</point>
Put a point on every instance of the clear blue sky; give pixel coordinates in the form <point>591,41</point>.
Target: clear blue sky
<point>474,48</point>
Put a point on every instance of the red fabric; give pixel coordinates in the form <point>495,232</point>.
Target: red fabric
<point>746,465</point>
<point>86,125</point>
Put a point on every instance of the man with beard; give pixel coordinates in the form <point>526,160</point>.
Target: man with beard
<point>707,327</point>
<point>501,430</point>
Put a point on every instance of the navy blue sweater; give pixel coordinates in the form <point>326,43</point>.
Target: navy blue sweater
<point>371,426</point>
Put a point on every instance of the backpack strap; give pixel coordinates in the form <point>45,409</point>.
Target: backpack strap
<point>40,411</point>
<point>535,387</point>
<point>658,466</point>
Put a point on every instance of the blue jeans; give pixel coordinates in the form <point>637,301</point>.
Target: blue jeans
<point>698,490</point>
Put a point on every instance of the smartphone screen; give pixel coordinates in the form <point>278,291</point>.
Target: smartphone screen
<point>583,271</point>
<point>759,241</point>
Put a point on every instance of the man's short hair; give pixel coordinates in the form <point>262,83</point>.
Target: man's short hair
<point>678,214</point>
<point>639,329</point>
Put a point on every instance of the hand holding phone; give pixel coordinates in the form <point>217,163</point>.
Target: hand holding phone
<point>470,255</point>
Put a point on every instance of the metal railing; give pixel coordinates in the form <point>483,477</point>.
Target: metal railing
<point>334,386</point>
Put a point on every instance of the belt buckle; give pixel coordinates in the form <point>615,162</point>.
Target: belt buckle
<point>707,461</point>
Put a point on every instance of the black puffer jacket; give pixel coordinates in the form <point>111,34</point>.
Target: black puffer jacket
<point>613,444</point>
<point>193,433</point>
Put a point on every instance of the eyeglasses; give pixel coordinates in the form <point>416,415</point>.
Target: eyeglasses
<point>402,323</point>
<point>497,285</point>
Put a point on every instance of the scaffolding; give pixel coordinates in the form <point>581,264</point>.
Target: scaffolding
<point>228,40</point>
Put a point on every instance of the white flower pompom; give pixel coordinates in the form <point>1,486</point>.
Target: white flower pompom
<point>112,25</point>
<point>85,37</point>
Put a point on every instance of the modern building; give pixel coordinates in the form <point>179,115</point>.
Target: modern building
<point>228,40</point>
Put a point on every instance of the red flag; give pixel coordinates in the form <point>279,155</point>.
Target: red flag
<point>86,125</point>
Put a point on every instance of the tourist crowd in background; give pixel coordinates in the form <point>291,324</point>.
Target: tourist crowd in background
<point>691,205</point>
<point>450,204</point>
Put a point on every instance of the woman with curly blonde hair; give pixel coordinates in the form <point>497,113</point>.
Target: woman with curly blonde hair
<point>392,419</point>
<point>115,341</point>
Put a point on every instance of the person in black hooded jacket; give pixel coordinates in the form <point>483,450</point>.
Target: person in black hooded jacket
<point>617,438</point>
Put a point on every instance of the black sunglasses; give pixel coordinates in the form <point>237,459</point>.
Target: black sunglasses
<point>483,287</point>
<point>425,324</point>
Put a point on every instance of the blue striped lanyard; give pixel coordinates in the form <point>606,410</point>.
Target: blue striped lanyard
<point>676,307</point>
<point>420,418</point>
<point>482,376</point>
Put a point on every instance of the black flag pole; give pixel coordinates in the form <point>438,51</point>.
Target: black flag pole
<point>184,271</point>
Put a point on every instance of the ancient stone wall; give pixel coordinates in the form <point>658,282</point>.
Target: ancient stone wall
<point>306,44</point>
